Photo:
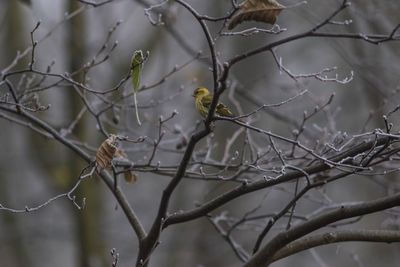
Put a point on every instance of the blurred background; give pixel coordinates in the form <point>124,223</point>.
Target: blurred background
<point>34,169</point>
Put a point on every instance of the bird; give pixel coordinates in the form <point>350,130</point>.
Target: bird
<point>203,99</point>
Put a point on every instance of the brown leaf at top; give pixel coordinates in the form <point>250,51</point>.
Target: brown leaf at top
<point>257,10</point>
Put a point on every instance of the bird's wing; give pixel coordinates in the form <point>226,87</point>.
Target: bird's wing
<point>224,110</point>
<point>206,101</point>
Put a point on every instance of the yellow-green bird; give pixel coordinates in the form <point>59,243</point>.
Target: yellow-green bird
<point>203,99</point>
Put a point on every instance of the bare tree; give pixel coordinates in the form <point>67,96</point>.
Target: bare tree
<point>288,173</point>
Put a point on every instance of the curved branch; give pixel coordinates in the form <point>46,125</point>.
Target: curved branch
<point>264,256</point>
<point>382,236</point>
<point>219,84</point>
<point>124,203</point>
<point>208,37</point>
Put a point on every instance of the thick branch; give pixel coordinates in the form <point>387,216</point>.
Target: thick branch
<point>265,256</point>
<point>150,241</point>
<point>382,236</point>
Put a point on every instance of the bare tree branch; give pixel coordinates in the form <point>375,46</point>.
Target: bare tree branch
<point>264,256</point>
<point>380,236</point>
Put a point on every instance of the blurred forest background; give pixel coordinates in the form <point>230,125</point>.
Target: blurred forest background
<point>33,169</point>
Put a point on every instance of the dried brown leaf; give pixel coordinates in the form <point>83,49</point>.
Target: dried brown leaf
<point>130,177</point>
<point>109,150</point>
<point>106,153</point>
<point>257,10</point>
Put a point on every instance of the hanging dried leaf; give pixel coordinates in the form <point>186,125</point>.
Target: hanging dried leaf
<point>257,10</point>
<point>108,151</point>
<point>130,177</point>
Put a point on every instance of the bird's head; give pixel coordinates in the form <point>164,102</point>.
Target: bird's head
<point>201,91</point>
